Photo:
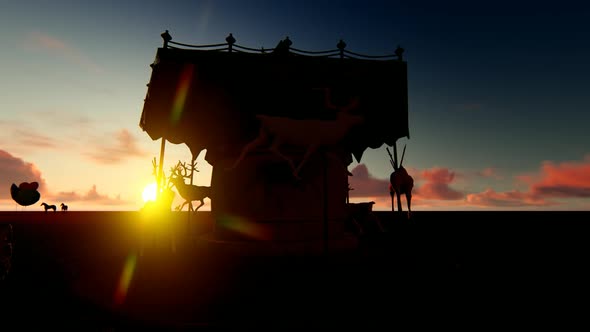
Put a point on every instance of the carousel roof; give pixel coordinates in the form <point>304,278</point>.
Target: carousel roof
<point>208,96</point>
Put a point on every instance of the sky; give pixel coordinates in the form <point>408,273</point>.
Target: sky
<point>499,105</point>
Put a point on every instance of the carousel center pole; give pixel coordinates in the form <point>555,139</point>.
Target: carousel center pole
<point>188,220</point>
<point>160,168</point>
<point>325,199</point>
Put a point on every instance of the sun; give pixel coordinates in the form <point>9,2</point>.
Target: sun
<point>149,192</point>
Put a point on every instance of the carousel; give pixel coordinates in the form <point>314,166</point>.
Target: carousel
<point>280,127</point>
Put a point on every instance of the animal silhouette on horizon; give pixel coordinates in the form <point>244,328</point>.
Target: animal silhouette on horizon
<point>189,192</point>
<point>309,133</point>
<point>49,207</point>
<point>64,207</point>
<point>400,182</point>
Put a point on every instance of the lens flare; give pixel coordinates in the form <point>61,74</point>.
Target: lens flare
<point>181,92</point>
<point>245,227</point>
<point>125,279</point>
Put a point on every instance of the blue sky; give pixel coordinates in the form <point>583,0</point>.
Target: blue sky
<point>498,93</point>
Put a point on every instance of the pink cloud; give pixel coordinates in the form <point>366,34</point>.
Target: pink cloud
<point>569,179</point>
<point>125,146</point>
<point>564,180</point>
<point>490,172</point>
<point>39,40</point>
<point>16,170</point>
<point>434,187</point>
<point>91,195</point>
<point>365,184</point>
<point>437,185</point>
<point>514,198</point>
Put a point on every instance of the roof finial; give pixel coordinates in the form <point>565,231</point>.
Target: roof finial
<point>399,52</point>
<point>341,45</point>
<point>288,42</point>
<point>230,41</point>
<point>166,36</point>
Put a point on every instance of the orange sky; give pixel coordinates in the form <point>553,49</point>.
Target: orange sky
<point>497,113</point>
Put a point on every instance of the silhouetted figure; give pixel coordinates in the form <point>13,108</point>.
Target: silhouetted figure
<point>311,133</point>
<point>189,192</point>
<point>64,207</point>
<point>400,182</point>
<point>283,46</point>
<point>49,207</point>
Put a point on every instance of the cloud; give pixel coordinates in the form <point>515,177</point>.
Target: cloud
<point>15,170</point>
<point>125,146</point>
<point>437,185</point>
<point>91,195</point>
<point>65,119</point>
<point>39,40</point>
<point>33,140</point>
<point>434,187</point>
<point>570,179</point>
<point>365,184</point>
<point>513,198</point>
<point>490,172</point>
<point>564,180</point>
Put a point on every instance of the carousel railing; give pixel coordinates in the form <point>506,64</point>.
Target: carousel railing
<point>284,46</point>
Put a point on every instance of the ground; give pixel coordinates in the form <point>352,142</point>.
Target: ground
<point>446,269</point>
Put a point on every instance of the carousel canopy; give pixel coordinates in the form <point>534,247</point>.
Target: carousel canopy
<point>208,96</point>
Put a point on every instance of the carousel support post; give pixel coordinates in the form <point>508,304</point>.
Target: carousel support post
<point>325,176</point>
<point>399,203</point>
<point>160,169</point>
<point>188,220</point>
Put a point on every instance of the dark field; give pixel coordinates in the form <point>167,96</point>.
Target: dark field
<point>446,269</point>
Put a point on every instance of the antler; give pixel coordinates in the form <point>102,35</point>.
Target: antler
<point>391,160</point>
<point>193,166</point>
<point>403,153</point>
<point>344,108</point>
<point>188,169</point>
<point>174,170</point>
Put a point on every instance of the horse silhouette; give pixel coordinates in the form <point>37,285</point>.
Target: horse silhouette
<point>49,207</point>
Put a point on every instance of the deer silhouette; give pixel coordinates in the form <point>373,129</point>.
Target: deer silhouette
<point>400,182</point>
<point>189,192</point>
<point>310,133</point>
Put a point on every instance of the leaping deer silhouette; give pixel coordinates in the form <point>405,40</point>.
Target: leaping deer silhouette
<point>310,133</point>
<point>400,182</point>
<point>189,192</point>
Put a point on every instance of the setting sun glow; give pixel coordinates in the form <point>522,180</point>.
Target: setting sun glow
<point>149,192</point>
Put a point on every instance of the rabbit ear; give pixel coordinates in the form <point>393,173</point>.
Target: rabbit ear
<point>402,160</point>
